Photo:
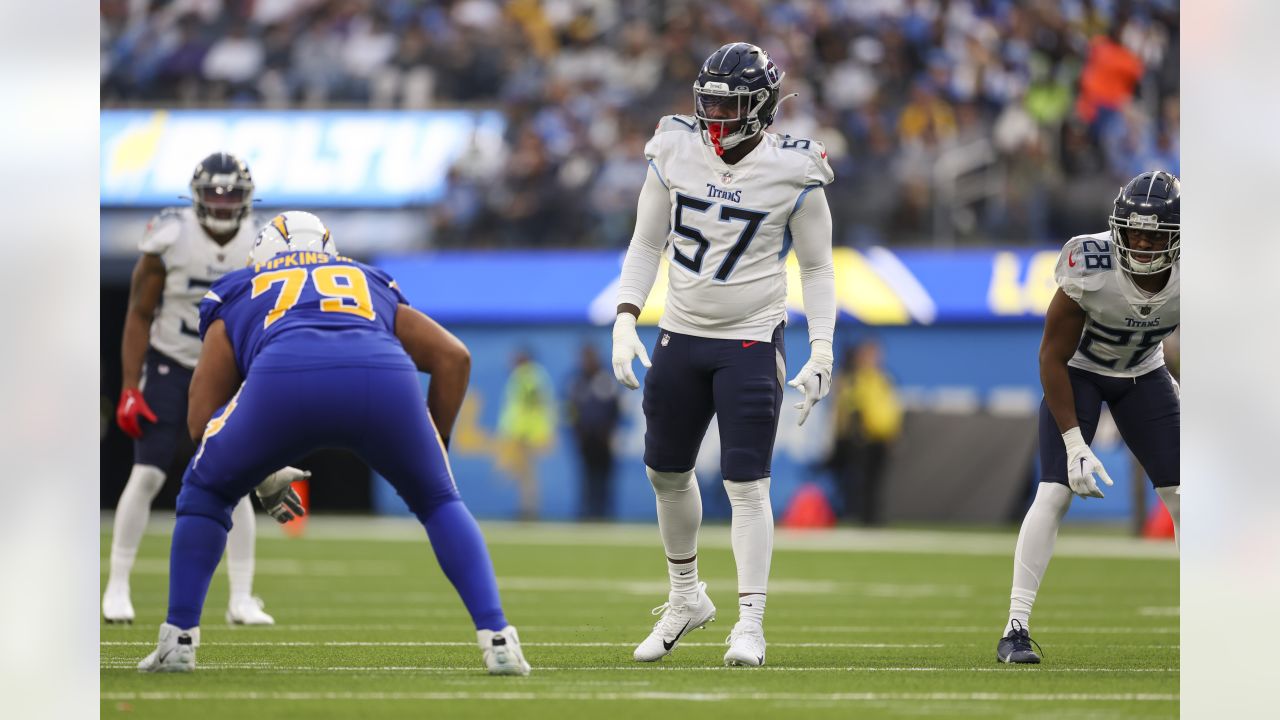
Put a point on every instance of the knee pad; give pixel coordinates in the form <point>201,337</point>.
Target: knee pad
<point>195,500</point>
<point>671,481</point>
<point>1172,499</point>
<point>749,494</point>
<point>147,478</point>
<point>1053,498</point>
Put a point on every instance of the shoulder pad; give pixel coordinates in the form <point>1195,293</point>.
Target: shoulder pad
<point>817,171</point>
<point>1083,264</point>
<point>162,231</point>
<point>676,123</point>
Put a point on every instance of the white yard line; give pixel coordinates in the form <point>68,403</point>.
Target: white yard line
<point>129,664</point>
<point>1069,544</point>
<point>428,643</point>
<point>632,696</point>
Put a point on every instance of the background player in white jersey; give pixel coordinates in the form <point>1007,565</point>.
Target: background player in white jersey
<point>730,201</point>
<point>1117,299</point>
<point>184,251</point>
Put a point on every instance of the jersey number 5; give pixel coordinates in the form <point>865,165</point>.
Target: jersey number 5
<point>727,213</point>
<point>345,289</point>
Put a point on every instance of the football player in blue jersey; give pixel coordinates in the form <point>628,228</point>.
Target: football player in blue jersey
<point>306,349</point>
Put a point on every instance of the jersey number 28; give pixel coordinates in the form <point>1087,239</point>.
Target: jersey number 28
<point>345,289</point>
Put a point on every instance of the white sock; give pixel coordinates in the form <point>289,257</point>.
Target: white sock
<point>751,609</point>
<point>132,513</point>
<point>679,504</point>
<point>1035,548</point>
<point>1172,501</point>
<point>752,533</point>
<point>240,542</point>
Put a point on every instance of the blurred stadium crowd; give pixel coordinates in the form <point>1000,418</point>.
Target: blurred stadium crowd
<point>947,121</point>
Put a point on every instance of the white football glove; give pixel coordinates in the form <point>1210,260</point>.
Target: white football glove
<point>1082,465</point>
<point>814,379</point>
<point>278,497</point>
<point>627,347</point>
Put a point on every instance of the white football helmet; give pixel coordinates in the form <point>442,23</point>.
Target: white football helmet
<point>291,231</point>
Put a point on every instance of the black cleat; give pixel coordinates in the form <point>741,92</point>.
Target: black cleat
<point>1015,648</point>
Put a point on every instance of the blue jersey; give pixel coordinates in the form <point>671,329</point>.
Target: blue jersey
<point>307,310</point>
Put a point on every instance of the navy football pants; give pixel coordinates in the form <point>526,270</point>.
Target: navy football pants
<point>1147,413</point>
<point>693,378</point>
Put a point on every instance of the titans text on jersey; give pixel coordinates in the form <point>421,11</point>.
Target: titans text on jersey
<point>729,227</point>
<point>1125,325</point>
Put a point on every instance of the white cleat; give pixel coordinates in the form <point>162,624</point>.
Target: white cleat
<point>248,611</point>
<point>680,616</point>
<point>746,646</point>
<point>116,606</point>
<point>502,653</point>
<point>176,651</point>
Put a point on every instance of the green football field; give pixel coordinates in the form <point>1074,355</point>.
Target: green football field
<point>891,623</point>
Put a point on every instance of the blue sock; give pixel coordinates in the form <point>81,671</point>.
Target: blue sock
<point>198,543</point>
<point>464,558</point>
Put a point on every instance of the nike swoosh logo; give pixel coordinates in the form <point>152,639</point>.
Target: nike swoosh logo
<point>749,343</point>
<point>1071,260</point>
<point>686,572</point>
<point>747,605</point>
<point>668,645</point>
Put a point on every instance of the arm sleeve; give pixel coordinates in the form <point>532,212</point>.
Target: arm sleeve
<point>653,223</point>
<point>810,227</point>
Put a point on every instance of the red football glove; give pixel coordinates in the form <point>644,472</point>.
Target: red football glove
<point>132,404</point>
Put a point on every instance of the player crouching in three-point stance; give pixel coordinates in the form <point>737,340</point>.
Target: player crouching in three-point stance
<point>1117,300</point>
<point>329,353</point>
<point>730,200</point>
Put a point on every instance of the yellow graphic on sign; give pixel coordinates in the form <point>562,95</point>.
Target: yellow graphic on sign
<point>137,147</point>
<point>1010,294</point>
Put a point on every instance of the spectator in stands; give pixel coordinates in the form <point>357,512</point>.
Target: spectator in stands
<point>894,84</point>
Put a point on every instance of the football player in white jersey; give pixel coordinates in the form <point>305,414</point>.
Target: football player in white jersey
<point>726,202</point>
<point>183,251</point>
<point>1117,299</point>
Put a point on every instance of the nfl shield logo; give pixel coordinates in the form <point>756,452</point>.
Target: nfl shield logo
<point>1145,310</point>
<point>726,178</point>
<point>665,339</point>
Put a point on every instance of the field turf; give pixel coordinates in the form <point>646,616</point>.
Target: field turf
<point>892,623</point>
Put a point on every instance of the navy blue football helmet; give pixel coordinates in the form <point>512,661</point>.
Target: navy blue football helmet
<point>221,192</point>
<point>736,95</point>
<point>1148,203</point>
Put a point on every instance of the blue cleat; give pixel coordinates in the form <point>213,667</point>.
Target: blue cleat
<point>1015,648</point>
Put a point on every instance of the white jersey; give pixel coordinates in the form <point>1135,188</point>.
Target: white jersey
<point>1124,325</point>
<point>192,261</point>
<point>729,240</point>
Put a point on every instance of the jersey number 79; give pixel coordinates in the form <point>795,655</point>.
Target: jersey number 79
<point>345,289</point>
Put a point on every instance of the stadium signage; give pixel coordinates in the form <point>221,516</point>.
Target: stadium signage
<point>318,159</point>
